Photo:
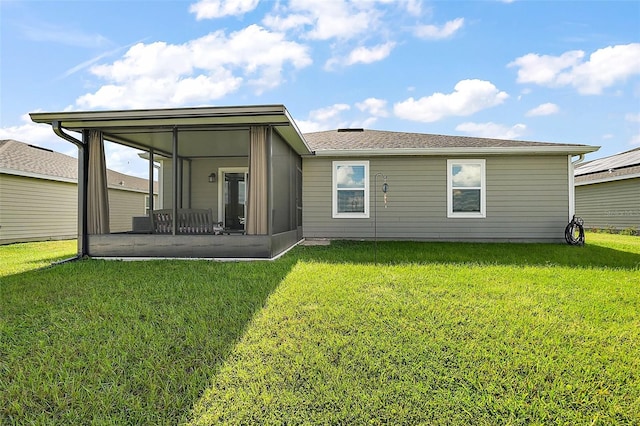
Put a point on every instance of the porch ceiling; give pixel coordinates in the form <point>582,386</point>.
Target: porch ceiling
<point>222,127</point>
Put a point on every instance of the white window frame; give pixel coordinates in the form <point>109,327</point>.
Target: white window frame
<point>334,190</point>
<point>483,189</point>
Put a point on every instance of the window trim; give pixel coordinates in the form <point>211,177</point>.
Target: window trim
<point>334,190</point>
<point>483,189</point>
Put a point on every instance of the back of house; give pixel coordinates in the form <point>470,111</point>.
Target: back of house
<point>440,188</point>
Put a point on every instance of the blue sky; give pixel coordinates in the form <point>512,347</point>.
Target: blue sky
<point>545,71</point>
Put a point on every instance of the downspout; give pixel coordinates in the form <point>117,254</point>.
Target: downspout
<point>151,203</point>
<point>174,160</point>
<point>572,186</point>
<point>83,167</point>
<point>270,206</point>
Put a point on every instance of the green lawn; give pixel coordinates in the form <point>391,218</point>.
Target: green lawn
<point>436,333</point>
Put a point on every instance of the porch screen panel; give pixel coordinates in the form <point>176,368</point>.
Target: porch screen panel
<point>256,223</point>
<point>97,198</point>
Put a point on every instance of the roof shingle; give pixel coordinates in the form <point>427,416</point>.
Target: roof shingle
<point>364,139</point>
<point>30,159</point>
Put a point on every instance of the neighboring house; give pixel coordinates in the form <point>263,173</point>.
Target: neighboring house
<point>39,195</point>
<point>608,191</point>
<point>269,186</point>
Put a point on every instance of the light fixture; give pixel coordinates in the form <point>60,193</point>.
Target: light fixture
<point>212,177</point>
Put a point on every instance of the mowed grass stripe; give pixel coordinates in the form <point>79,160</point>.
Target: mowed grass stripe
<point>435,344</point>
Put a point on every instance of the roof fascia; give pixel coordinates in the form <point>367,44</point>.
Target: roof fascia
<point>21,173</point>
<point>166,119</point>
<point>157,114</point>
<point>542,150</point>
<point>604,180</point>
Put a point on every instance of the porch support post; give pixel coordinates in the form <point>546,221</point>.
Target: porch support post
<point>151,153</point>
<point>83,167</point>
<point>174,159</point>
<point>270,180</point>
<point>83,173</point>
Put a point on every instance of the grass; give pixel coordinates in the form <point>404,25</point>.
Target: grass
<point>27,256</point>
<point>437,333</point>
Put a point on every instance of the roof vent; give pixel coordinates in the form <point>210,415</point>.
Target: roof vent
<point>350,130</point>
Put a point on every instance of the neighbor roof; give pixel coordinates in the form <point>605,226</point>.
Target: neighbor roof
<point>624,165</point>
<point>376,142</point>
<point>21,159</point>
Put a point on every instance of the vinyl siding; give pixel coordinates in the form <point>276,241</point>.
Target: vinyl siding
<point>36,209</point>
<point>39,209</point>
<point>527,199</point>
<point>123,206</point>
<point>609,204</point>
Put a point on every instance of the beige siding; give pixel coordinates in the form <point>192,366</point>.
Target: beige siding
<point>36,209</point>
<point>609,204</point>
<point>123,206</point>
<point>526,200</point>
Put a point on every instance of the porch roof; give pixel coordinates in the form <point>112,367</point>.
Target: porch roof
<point>153,128</point>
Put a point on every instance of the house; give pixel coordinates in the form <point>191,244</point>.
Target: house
<point>608,191</point>
<point>267,186</point>
<point>38,195</point>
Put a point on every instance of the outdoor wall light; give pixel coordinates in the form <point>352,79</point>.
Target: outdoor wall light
<point>212,177</point>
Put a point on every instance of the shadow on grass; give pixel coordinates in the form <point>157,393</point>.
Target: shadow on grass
<point>122,342</point>
<point>393,252</point>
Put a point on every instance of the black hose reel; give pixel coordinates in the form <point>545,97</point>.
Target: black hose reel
<point>574,232</point>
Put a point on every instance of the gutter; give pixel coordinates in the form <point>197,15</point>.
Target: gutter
<point>569,150</point>
<point>578,161</point>
<point>57,129</point>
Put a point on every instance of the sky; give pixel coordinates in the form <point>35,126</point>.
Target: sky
<point>549,71</point>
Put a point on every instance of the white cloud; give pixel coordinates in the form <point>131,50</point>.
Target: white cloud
<point>286,23</point>
<point>373,106</point>
<point>434,32</point>
<point>118,157</point>
<point>324,119</point>
<point>468,175</point>
<point>604,68</point>
<point>469,96</point>
<point>207,9</point>
<point>346,176</point>
<point>634,118</point>
<point>543,109</point>
<point>36,134</point>
<point>199,71</point>
<point>414,7</point>
<point>492,130</point>
<point>544,69</point>
<point>328,19</point>
<point>328,113</point>
<point>366,55</point>
<point>63,34</point>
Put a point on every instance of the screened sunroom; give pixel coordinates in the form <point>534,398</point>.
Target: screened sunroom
<point>229,180</point>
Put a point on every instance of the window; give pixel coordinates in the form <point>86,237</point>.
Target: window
<point>466,190</point>
<point>351,189</point>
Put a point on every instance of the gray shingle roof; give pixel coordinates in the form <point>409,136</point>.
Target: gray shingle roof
<point>610,163</point>
<point>359,139</point>
<point>25,159</point>
<point>624,165</point>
